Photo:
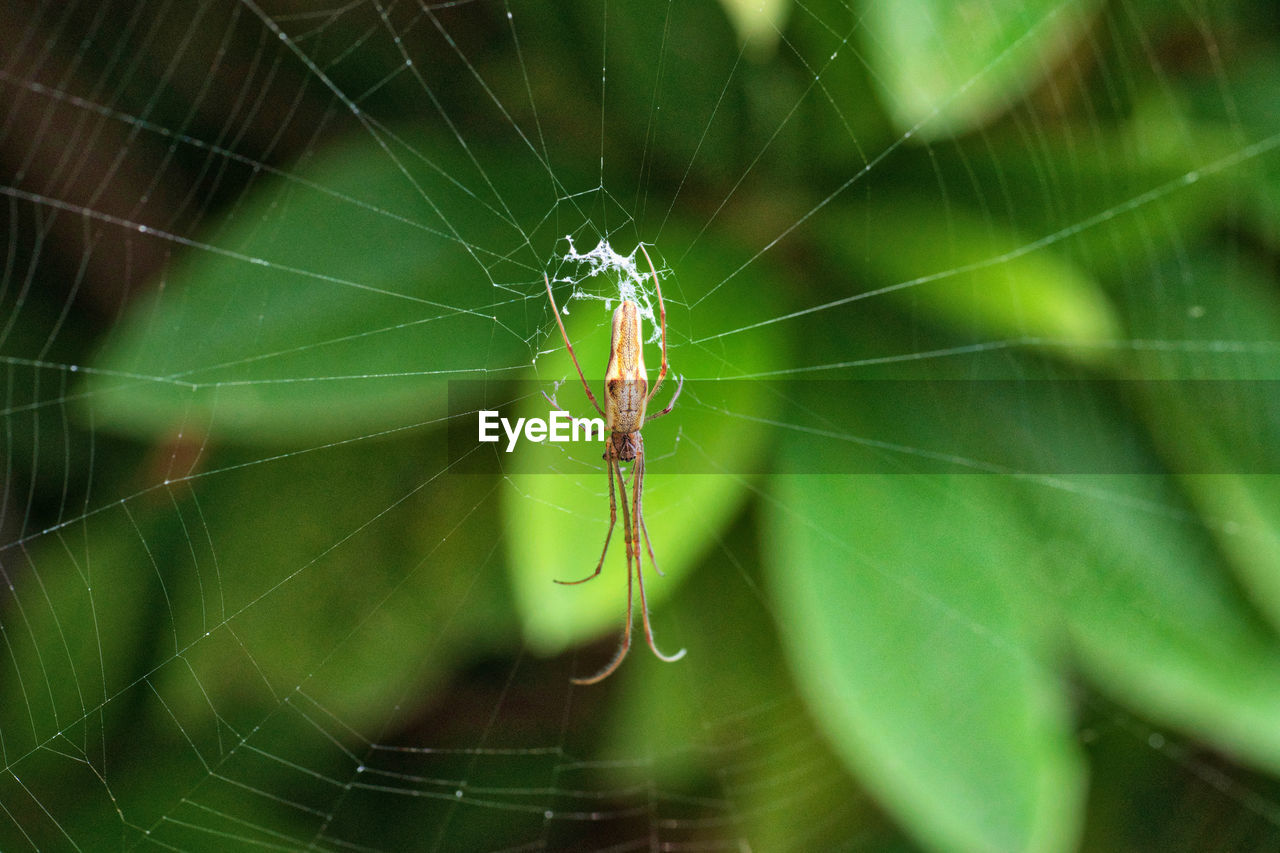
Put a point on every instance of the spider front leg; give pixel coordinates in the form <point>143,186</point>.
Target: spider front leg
<point>662,323</point>
<point>612,466</point>
<point>573,355</point>
<point>672,404</point>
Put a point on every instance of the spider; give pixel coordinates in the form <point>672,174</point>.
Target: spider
<point>627,394</point>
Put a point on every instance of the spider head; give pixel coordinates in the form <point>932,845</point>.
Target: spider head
<point>623,446</point>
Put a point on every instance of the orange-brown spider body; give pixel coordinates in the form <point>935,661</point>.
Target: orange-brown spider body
<point>627,395</point>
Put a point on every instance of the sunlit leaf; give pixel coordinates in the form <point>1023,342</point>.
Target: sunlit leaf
<point>1124,191</point>
<point>758,22</point>
<point>975,277</point>
<point>945,67</point>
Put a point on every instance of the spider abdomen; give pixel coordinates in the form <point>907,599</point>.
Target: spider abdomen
<point>626,382</point>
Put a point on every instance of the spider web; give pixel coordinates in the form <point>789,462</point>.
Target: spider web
<point>280,625</point>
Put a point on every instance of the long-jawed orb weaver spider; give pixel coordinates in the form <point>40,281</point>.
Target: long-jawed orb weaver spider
<point>627,394</point>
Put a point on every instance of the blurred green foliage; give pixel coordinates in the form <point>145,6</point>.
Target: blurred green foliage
<point>243,549</point>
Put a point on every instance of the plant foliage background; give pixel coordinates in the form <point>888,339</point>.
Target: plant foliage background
<point>968,513</point>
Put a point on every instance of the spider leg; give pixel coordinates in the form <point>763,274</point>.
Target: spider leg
<point>613,518</point>
<point>585,387</point>
<point>625,645</point>
<point>672,404</point>
<point>644,606</point>
<point>648,543</point>
<point>662,314</point>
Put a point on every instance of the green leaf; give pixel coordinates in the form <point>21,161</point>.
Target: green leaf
<point>557,500</point>
<point>355,596</point>
<point>963,582</point>
<point>1222,325</point>
<point>88,622</point>
<point>1155,619</point>
<point>908,606</point>
<point>172,620</point>
<point>1235,102</point>
<point>78,626</point>
<point>1079,189</point>
<point>674,115</point>
<point>923,656</point>
<point>331,304</point>
<point>974,277</point>
<point>947,67</point>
